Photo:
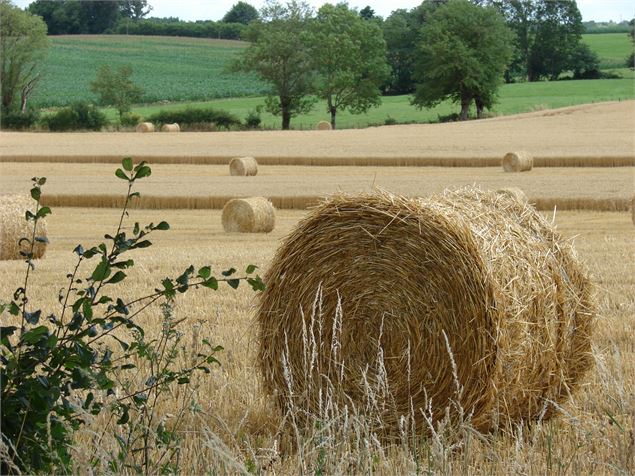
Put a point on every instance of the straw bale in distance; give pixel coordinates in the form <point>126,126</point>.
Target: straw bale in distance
<point>324,126</point>
<point>249,215</point>
<point>474,272</point>
<point>170,128</point>
<point>518,161</point>
<point>514,192</point>
<point>14,226</point>
<point>243,166</point>
<point>145,127</point>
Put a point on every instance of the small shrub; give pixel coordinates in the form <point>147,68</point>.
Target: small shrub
<point>18,120</point>
<point>77,116</point>
<point>222,119</point>
<point>130,119</point>
<point>390,121</point>
<point>253,119</point>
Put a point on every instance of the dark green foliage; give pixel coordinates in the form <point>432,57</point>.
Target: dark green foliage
<point>222,119</point>
<point>584,63</point>
<point>18,120</point>
<point>630,62</point>
<point>134,9</point>
<point>400,33</point>
<point>279,55</point>
<point>197,29</point>
<point>592,27</point>
<point>348,55</point>
<point>465,49</point>
<point>79,115</point>
<point>56,375</point>
<point>67,17</point>
<point>253,119</point>
<point>241,12</point>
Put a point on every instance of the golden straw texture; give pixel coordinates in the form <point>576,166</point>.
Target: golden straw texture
<point>323,126</point>
<point>467,302</point>
<point>243,166</point>
<point>145,127</point>
<point>249,215</point>
<point>514,192</point>
<point>517,162</point>
<point>170,128</point>
<point>633,210</point>
<point>13,227</point>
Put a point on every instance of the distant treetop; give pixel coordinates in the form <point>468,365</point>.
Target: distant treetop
<point>241,12</point>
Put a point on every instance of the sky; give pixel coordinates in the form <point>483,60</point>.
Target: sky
<point>598,10</point>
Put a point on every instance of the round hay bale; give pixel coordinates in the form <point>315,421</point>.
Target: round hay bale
<point>404,307</point>
<point>170,128</point>
<point>515,192</point>
<point>517,162</point>
<point>324,126</point>
<point>249,215</point>
<point>145,127</point>
<point>243,166</point>
<point>13,227</point>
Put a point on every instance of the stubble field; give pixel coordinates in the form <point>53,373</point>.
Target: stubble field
<point>235,428</point>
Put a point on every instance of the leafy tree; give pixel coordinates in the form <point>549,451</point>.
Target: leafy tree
<point>367,13</point>
<point>241,12</point>
<point>400,34</point>
<point>584,63</point>
<point>279,55</point>
<point>548,36</point>
<point>464,50</point>
<point>349,56</point>
<point>115,88</point>
<point>23,44</point>
<point>630,62</point>
<point>134,9</point>
<point>74,16</point>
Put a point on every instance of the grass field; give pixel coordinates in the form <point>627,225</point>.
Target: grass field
<point>174,69</point>
<point>612,48</point>
<point>235,427</point>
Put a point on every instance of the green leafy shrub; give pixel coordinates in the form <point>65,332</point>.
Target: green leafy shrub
<point>222,119</point>
<point>59,367</point>
<point>253,119</point>
<point>79,115</point>
<point>130,119</point>
<point>390,121</point>
<point>18,120</point>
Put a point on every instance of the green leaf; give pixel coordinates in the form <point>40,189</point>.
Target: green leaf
<point>229,272</point>
<point>41,181</point>
<point>164,225</point>
<point>251,268</point>
<point>143,171</point>
<point>127,164</point>
<point>125,415</point>
<point>35,334</point>
<point>36,193</point>
<point>205,272</point>
<point>121,174</point>
<point>87,308</point>
<point>32,317</point>
<point>233,283</point>
<point>211,283</point>
<point>117,277</point>
<point>102,271</point>
<point>42,212</point>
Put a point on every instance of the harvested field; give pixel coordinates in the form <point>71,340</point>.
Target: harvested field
<point>588,135</point>
<point>209,186</point>
<point>591,435</point>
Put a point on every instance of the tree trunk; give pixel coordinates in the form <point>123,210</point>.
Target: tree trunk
<point>479,107</point>
<point>286,118</point>
<point>333,113</point>
<point>465,106</point>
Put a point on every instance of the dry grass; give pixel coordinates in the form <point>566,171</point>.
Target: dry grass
<point>192,186</point>
<point>236,428</point>
<point>588,135</point>
<point>14,227</point>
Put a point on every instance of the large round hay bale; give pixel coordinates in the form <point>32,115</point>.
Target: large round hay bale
<point>249,215</point>
<point>404,307</point>
<point>517,162</point>
<point>13,227</point>
<point>170,128</point>
<point>145,127</point>
<point>324,126</point>
<point>243,166</point>
<point>514,192</point>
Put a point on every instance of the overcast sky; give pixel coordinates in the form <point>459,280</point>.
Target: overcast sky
<point>598,10</point>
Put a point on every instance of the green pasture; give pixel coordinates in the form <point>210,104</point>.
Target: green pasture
<point>612,48</point>
<point>513,98</point>
<point>168,68</point>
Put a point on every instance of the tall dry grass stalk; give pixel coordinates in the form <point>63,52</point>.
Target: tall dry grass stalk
<point>14,227</point>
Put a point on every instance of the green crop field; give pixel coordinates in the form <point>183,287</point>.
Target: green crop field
<point>168,68</point>
<point>612,48</point>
